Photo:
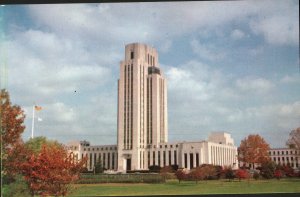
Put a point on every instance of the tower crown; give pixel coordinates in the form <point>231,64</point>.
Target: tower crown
<point>139,51</point>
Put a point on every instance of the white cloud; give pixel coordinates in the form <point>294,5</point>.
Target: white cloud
<point>237,34</point>
<point>254,85</point>
<point>291,79</point>
<point>207,51</point>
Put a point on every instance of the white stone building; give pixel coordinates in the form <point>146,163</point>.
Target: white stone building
<point>142,139</point>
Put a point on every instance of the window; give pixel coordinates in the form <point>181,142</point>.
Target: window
<point>166,146</point>
<point>287,152</point>
<point>88,149</point>
<point>282,152</point>
<point>171,146</point>
<point>160,146</point>
<point>131,55</point>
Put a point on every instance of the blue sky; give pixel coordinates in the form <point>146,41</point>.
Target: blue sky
<point>231,66</point>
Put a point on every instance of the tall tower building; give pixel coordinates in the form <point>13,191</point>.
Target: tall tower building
<point>142,106</point>
<point>143,125</point>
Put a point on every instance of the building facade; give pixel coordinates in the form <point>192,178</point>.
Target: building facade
<point>285,156</point>
<point>142,131</point>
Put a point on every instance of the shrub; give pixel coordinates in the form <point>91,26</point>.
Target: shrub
<point>196,174</point>
<point>228,173</point>
<point>278,174</point>
<point>241,174</point>
<point>256,175</point>
<point>18,188</point>
<point>166,172</point>
<point>154,168</point>
<point>267,170</point>
<point>119,178</point>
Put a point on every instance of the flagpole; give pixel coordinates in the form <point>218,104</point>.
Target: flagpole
<point>32,126</point>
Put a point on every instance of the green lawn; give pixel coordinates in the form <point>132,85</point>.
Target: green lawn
<point>204,187</point>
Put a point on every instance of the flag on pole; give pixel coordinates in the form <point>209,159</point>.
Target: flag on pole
<point>37,108</point>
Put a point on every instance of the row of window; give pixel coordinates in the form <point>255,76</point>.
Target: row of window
<point>162,158</point>
<point>161,146</point>
<point>285,158</point>
<point>102,148</point>
<point>282,152</point>
<point>128,109</point>
<point>108,160</point>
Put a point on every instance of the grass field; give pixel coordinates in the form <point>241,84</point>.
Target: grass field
<point>172,187</point>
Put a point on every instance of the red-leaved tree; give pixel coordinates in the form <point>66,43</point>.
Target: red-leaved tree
<point>181,175</point>
<point>51,171</point>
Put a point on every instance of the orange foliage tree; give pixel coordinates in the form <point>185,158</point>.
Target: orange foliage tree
<point>254,150</point>
<point>51,171</point>
<point>11,127</point>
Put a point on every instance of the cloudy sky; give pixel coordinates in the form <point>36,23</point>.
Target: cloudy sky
<point>231,66</point>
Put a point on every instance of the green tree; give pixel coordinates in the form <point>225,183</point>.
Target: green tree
<point>35,144</point>
<point>99,167</point>
<point>268,169</point>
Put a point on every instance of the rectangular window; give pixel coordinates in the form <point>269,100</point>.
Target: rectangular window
<point>148,158</point>
<point>113,160</point>
<point>197,159</point>
<point>164,158</point>
<point>170,161</point>
<point>131,55</point>
<point>185,160</point>
<point>91,157</point>
<point>108,160</point>
<point>158,158</point>
<point>154,158</point>
<point>191,160</point>
<point>104,160</point>
<point>175,157</point>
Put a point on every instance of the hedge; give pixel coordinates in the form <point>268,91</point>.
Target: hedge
<point>120,178</point>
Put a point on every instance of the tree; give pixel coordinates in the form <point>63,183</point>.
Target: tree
<point>268,169</point>
<point>229,174</point>
<point>35,144</point>
<point>51,171</point>
<point>209,171</point>
<point>99,167</point>
<point>253,149</point>
<point>11,127</point>
<point>181,175</point>
<point>12,121</point>
<point>197,174</point>
<point>294,139</point>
